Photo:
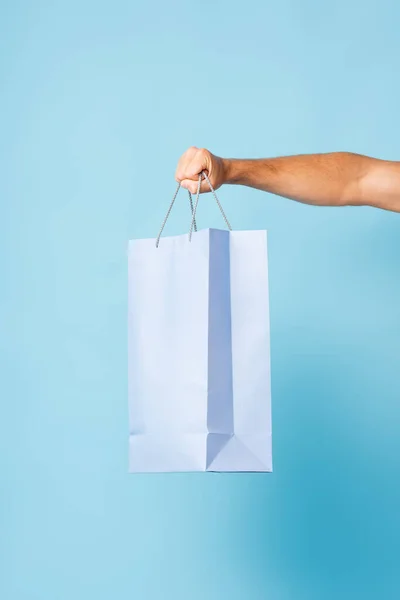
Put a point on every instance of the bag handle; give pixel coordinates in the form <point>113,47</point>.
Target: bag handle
<point>193,224</point>
<point>169,212</point>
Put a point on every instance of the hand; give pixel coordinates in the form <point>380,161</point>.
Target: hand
<point>193,162</point>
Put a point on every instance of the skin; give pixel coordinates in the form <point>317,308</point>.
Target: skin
<point>335,179</point>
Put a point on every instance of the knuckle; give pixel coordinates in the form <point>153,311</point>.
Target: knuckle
<point>190,152</point>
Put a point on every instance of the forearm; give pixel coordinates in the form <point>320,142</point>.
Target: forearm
<point>335,179</point>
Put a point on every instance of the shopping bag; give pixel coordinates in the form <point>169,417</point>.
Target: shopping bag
<point>199,351</point>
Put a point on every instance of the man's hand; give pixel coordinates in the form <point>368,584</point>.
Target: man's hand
<point>334,179</point>
<point>193,162</point>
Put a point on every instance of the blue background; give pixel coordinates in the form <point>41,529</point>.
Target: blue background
<point>98,100</point>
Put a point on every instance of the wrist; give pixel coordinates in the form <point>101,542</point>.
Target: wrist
<point>232,171</point>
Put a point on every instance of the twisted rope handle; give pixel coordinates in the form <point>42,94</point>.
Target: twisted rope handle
<point>193,224</point>
<point>169,212</point>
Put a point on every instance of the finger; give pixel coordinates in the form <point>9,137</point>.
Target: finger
<point>192,186</point>
<point>183,162</point>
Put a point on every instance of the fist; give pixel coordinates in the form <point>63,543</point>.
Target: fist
<point>192,163</point>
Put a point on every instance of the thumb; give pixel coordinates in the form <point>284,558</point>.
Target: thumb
<point>200,162</point>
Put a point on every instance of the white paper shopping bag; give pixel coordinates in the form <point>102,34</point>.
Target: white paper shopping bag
<point>199,353</point>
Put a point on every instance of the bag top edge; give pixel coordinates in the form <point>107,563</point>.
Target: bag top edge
<point>180,235</point>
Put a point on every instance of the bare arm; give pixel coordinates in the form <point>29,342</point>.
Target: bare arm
<point>337,179</point>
